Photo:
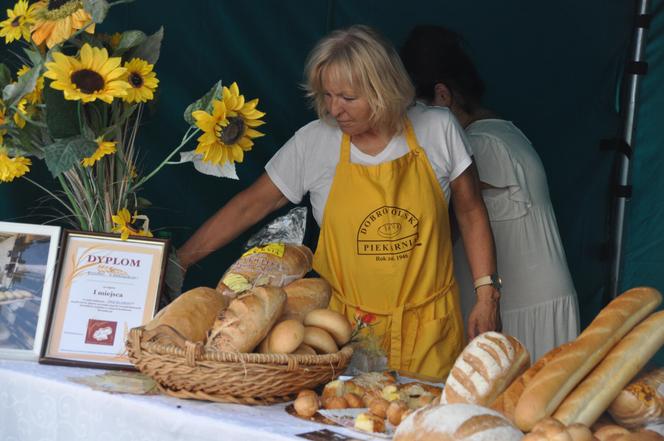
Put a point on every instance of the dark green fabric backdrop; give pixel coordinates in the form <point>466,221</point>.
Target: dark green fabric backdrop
<point>551,67</point>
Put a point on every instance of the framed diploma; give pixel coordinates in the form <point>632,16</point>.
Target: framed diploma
<point>28,255</point>
<point>105,286</point>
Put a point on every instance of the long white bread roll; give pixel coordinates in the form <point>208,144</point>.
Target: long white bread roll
<point>596,392</point>
<point>553,382</point>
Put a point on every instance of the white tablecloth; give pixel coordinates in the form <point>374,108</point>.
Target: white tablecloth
<point>40,403</point>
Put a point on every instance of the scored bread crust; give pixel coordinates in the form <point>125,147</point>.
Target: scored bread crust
<point>485,368</point>
<point>640,403</point>
<point>553,382</point>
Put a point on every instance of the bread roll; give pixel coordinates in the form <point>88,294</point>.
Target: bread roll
<point>371,383</point>
<point>273,264</point>
<point>353,400</point>
<point>484,369</point>
<point>187,318</point>
<point>336,324</point>
<point>285,337</point>
<point>610,432</point>
<point>506,401</point>
<point>306,404</point>
<point>367,422</point>
<point>247,320</point>
<point>335,403</point>
<point>456,422</point>
<point>304,350</point>
<point>378,407</point>
<point>640,403</point>
<point>553,382</point>
<point>305,295</point>
<point>320,340</point>
<point>550,429</point>
<point>594,394</point>
<point>395,411</point>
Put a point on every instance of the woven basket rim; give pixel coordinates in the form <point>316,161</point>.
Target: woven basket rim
<point>200,353</point>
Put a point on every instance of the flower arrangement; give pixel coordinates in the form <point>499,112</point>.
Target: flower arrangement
<point>369,354</point>
<point>76,103</point>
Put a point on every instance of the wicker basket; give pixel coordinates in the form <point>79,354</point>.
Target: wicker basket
<point>232,377</point>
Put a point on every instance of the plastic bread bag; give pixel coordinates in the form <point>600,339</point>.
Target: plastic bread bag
<point>289,228</point>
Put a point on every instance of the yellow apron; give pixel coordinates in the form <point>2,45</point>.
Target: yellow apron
<point>385,248</point>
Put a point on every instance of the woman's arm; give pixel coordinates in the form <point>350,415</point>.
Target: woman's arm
<point>244,210</point>
<point>480,250</point>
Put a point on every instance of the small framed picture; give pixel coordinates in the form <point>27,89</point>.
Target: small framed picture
<point>28,255</point>
<point>104,287</point>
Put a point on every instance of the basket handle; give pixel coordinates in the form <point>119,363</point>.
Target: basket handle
<point>193,351</point>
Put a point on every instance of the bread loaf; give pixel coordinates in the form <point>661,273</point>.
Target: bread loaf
<point>320,340</point>
<point>550,429</point>
<point>506,401</point>
<point>274,264</point>
<point>594,394</point>
<point>553,382</point>
<point>247,320</point>
<point>484,369</point>
<point>456,422</point>
<point>187,318</point>
<point>336,324</point>
<point>284,337</point>
<point>305,295</point>
<point>640,403</point>
<point>618,433</point>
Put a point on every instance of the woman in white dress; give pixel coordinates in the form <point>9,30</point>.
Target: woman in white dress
<point>539,305</point>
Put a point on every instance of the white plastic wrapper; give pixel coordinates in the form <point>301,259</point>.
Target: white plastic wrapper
<point>289,228</point>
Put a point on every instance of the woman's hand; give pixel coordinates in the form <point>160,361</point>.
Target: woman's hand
<point>485,315</point>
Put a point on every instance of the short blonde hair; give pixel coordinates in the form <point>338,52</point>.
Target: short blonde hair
<point>361,57</point>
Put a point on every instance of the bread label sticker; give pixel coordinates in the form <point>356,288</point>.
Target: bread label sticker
<point>236,282</point>
<point>274,248</point>
<point>388,232</point>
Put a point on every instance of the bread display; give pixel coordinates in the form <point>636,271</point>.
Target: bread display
<point>187,318</point>
<point>596,392</point>
<point>506,401</point>
<point>247,320</point>
<point>484,369</point>
<point>336,324</point>
<point>305,295</point>
<point>550,429</point>
<point>544,393</point>
<point>274,264</point>
<point>641,402</point>
<point>456,422</point>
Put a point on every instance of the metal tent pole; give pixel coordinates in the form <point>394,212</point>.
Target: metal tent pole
<point>636,68</point>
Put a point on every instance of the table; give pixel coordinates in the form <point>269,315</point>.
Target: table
<point>41,403</point>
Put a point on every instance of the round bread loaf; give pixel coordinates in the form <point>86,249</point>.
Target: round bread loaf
<point>456,422</point>
<point>333,322</point>
<point>307,403</point>
<point>320,340</point>
<point>305,295</point>
<point>285,337</point>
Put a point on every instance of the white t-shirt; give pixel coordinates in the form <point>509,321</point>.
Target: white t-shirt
<point>307,162</point>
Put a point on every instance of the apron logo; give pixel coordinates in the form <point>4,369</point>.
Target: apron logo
<point>387,231</point>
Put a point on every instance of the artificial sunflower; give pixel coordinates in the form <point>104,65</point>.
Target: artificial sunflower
<point>229,130</point>
<point>103,148</point>
<point>94,75</point>
<point>12,168</point>
<point>142,79</point>
<point>18,23</point>
<point>25,110</point>
<point>124,223</point>
<point>57,20</point>
<point>35,96</point>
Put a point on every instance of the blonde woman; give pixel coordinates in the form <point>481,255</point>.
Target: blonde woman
<point>380,173</point>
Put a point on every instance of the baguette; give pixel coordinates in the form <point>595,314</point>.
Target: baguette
<point>187,318</point>
<point>247,320</point>
<point>553,382</point>
<point>506,402</point>
<point>592,397</point>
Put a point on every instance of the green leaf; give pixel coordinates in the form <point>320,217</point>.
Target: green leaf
<point>12,93</point>
<point>129,40</point>
<point>97,9</point>
<point>34,56</point>
<point>66,153</point>
<point>149,49</point>
<point>61,114</point>
<point>5,76</point>
<point>203,103</point>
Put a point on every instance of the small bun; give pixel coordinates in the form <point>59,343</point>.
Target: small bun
<point>379,406</point>
<point>333,322</point>
<point>285,337</point>
<point>335,403</point>
<point>304,349</point>
<point>306,404</point>
<point>320,340</point>
<point>353,400</point>
<point>395,411</point>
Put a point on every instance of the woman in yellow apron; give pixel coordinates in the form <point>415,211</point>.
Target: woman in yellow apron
<point>381,202</point>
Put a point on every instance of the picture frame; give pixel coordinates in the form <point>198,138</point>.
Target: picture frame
<point>28,256</point>
<point>105,286</point>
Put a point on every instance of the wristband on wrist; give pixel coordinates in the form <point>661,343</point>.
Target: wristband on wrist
<point>493,280</point>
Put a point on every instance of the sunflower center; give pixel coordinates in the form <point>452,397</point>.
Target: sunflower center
<point>58,9</point>
<point>135,79</point>
<point>87,81</point>
<point>16,22</point>
<point>233,131</point>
